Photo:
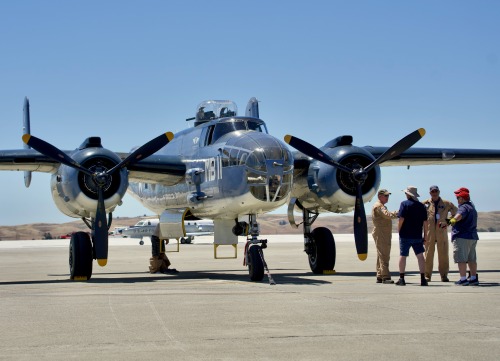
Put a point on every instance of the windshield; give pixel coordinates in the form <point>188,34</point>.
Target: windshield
<point>222,128</point>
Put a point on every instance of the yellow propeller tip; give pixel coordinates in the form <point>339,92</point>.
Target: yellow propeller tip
<point>288,138</point>
<point>26,138</point>
<point>102,261</point>
<point>422,132</point>
<point>362,256</point>
<point>169,135</point>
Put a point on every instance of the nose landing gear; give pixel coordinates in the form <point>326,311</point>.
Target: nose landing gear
<point>254,256</point>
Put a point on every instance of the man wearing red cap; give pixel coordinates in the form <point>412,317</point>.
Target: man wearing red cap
<point>437,233</point>
<point>464,237</point>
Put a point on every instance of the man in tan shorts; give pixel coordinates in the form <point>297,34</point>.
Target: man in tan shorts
<point>382,234</point>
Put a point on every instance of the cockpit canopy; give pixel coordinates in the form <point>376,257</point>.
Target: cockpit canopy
<point>215,109</point>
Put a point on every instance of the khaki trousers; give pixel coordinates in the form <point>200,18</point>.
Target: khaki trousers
<point>440,241</point>
<point>383,244</point>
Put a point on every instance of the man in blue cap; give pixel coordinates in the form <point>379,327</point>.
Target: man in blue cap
<point>437,233</point>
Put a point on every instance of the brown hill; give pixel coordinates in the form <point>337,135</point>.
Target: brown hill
<point>269,224</point>
<point>55,230</point>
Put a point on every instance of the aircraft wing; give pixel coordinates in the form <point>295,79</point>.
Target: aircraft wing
<point>429,156</point>
<point>199,233</point>
<point>164,169</point>
<point>27,160</point>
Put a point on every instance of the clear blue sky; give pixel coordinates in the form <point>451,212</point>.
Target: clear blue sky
<point>130,70</point>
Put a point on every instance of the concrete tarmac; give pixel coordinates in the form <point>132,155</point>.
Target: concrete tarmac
<point>211,311</point>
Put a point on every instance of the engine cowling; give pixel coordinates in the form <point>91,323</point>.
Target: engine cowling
<point>75,193</point>
<point>325,188</point>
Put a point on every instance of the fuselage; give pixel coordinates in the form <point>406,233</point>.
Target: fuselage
<point>233,167</point>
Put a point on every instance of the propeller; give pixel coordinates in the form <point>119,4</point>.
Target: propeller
<point>359,174</point>
<point>100,178</point>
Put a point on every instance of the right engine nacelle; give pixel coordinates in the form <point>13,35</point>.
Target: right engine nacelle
<point>326,188</point>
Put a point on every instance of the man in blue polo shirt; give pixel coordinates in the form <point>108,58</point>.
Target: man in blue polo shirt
<point>412,229</point>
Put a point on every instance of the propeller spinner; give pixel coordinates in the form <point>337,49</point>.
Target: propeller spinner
<point>359,174</point>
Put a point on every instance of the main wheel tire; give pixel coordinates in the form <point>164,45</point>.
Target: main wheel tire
<point>80,256</point>
<point>323,253</point>
<point>183,240</point>
<point>255,264</point>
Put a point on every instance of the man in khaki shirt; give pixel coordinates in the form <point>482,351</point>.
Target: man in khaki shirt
<point>437,233</point>
<point>382,234</point>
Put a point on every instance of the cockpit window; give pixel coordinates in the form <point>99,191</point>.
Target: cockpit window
<point>225,128</point>
<point>259,127</point>
<point>216,131</point>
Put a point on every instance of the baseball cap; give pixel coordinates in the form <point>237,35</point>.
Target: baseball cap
<point>462,192</point>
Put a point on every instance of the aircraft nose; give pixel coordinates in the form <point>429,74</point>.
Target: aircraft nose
<point>269,165</point>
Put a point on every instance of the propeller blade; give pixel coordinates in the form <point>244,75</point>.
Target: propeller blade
<point>50,151</point>
<point>360,226</point>
<point>101,231</point>
<point>398,148</point>
<point>144,151</point>
<point>313,152</point>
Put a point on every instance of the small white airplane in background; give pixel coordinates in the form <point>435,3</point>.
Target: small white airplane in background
<point>146,227</point>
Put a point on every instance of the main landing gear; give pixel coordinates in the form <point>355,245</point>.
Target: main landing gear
<point>80,256</point>
<point>82,251</point>
<point>254,256</point>
<point>319,243</point>
<point>186,240</point>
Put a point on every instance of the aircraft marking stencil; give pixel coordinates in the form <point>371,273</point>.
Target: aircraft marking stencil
<point>226,168</point>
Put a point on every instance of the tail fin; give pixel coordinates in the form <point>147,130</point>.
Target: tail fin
<point>26,130</point>
<point>252,108</point>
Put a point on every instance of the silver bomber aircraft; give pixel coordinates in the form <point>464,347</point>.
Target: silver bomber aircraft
<point>226,168</point>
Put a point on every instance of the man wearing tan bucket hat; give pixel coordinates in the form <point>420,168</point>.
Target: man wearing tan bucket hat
<point>412,228</point>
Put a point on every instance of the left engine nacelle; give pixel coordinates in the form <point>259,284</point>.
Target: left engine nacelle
<point>75,193</point>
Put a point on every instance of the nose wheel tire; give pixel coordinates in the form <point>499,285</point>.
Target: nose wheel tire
<point>80,256</point>
<point>322,253</point>
<point>255,264</point>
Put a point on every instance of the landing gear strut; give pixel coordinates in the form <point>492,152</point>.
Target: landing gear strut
<point>254,256</point>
